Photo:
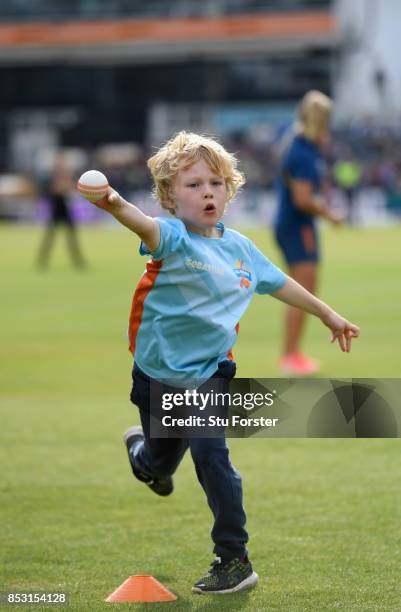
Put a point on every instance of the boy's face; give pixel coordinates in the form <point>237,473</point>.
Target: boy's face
<point>199,196</point>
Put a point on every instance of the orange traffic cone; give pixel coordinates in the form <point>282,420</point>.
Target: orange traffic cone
<point>141,588</point>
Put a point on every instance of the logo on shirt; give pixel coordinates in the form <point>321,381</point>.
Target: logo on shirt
<point>201,265</point>
<point>242,272</point>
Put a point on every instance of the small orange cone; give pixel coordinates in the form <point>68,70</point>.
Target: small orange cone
<point>141,588</point>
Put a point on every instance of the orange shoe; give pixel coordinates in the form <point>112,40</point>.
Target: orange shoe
<point>297,364</point>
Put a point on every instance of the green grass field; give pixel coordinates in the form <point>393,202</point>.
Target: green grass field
<point>323,515</point>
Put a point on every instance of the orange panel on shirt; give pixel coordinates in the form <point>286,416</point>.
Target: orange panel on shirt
<point>230,355</point>
<point>145,285</point>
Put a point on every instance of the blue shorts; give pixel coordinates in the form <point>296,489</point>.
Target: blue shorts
<point>299,243</point>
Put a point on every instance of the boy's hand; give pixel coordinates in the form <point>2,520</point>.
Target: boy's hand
<point>294,294</point>
<point>342,330</point>
<point>112,197</point>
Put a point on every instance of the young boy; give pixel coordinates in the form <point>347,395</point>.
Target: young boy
<point>184,321</point>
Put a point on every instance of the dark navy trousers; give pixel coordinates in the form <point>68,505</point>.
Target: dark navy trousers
<point>221,482</point>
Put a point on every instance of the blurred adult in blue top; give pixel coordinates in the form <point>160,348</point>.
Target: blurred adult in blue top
<point>301,201</point>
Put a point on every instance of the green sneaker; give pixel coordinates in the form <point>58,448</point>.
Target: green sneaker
<point>227,577</point>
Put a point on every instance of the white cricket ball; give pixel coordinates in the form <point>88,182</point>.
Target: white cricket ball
<point>93,185</point>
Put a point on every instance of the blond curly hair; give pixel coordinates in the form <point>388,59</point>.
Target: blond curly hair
<point>180,153</point>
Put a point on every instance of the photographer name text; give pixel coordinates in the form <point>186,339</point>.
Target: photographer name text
<point>215,421</point>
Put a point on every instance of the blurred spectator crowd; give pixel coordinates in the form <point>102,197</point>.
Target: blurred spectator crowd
<point>373,152</point>
<point>361,158</point>
<point>357,156</point>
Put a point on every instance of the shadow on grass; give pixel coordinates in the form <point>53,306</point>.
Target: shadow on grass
<point>193,601</point>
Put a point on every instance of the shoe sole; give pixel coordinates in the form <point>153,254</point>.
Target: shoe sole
<point>248,583</point>
<point>137,432</point>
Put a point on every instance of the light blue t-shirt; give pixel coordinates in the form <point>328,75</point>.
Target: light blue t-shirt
<point>190,299</point>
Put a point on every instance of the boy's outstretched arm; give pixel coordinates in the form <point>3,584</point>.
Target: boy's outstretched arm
<point>129,215</point>
<point>294,294</point>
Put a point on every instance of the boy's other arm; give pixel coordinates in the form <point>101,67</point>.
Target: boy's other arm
<point>294,294</point>
<point>129,215</point>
